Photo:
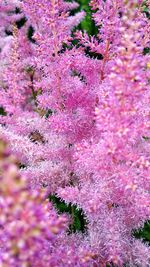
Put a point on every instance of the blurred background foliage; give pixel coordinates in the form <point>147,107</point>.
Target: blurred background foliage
<point>87,24</point>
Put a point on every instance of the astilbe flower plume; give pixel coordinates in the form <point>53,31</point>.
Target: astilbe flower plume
<point>31,232</point>
<point>78,126</point>
<point>27,222</point>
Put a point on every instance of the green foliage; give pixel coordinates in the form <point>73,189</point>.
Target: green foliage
<point>146,138</point>
<point>145,9</point>
<point>87,24</point>
<point>2,111</point>
<point>78,218</point>
<point>146,50</point>
<point>143,233</point>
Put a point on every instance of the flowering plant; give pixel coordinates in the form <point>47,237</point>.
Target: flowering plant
<point>79,127</point>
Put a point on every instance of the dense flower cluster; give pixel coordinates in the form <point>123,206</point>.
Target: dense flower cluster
<point>31,232</point>
<point>80,129</point>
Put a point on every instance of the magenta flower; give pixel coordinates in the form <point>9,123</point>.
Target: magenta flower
<point>79,128</point>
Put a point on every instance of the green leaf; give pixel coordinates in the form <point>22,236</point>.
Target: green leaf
<point>79,222</point>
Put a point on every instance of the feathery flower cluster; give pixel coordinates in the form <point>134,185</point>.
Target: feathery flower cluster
<point>80,129</point>
<point>31,232</point>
